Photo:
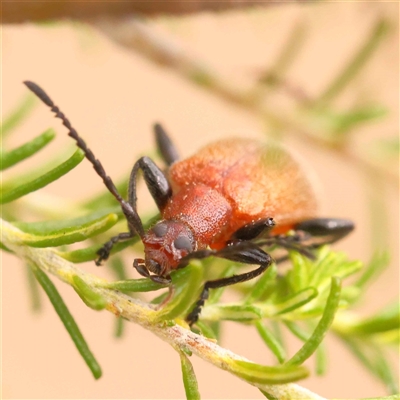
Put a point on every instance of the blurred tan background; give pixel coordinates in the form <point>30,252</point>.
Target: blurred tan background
<point>113,97</point>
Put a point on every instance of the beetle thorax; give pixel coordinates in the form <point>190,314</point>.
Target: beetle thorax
<point>165,244</point>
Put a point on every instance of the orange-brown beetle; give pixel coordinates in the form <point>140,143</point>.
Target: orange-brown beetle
<point>229,200</point>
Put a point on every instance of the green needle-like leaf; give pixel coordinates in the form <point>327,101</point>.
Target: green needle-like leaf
<point>264,285</point>
<point>269,339</point>
<point>297,331</point>
<point>118,267</point>
<point>66,235</point>
<point>134,285</point>
<point>105,198</point>
<point>277,332</point>
<point>379,261</point>
<point>341,124</point>
<point>296,300</point>
<point>159,299</point>
<point>10,158</point>
<point>386,148</point>
<point>330,264</point>
<point>2,247</point>
<point>186,283</point>
<point>216,294</point>
<point>346,121</point>
<point>90,297</point>
<point>33,285</point>
<point>357,62</point>
<point>119,327</point>
<point>372,357</point>
<point>385,372</point>
<point>298,276</point>
<point>206,330</point>
<point>386,320</point>
<point>321,360</point>
<point>90,253</point>
<point>268,395</point>
<point>19,190</point>
<point>68,321</point>
<point>256,373</point>
<point>237,312</point>
<point>289,51</point>
<point>46,228</point>
<point>189,378</point>
<point>16,117</point>
<point>321,329</point>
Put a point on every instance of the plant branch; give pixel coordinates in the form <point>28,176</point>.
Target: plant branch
<point>23,11</point>
<point>134,310</point>
<point>138,36</point>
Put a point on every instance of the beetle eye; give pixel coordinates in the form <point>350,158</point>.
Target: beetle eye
<point>183,243</point>
<point>160,229</point>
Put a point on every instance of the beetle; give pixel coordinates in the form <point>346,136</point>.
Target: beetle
<point>232,199</point>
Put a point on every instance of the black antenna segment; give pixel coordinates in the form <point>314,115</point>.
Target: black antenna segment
<point>134,222</point>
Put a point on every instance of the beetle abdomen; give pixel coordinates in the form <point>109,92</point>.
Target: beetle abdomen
<point>258,180</point>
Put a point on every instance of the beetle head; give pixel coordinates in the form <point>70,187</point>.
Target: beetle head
<point>165,244</point>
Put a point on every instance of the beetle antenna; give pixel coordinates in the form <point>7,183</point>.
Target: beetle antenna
<point>132,216</point>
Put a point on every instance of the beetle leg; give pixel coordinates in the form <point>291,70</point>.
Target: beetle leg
<point>297,242</point>
<point>104,251</point>
<point>244,252</point>
<point>253,229</point>
<point>309,235</point>
<point>325,230</point>
<point>156,182</point>
<point>165,146</point>
<point>196,255</point>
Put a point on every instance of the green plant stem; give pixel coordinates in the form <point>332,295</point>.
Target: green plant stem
<point>141,313</point>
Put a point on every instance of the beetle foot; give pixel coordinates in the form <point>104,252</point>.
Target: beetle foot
<point>103,254</point>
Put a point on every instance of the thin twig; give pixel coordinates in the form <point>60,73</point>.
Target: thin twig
<point>140,37</point>
<point>40,11</point>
